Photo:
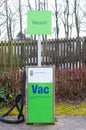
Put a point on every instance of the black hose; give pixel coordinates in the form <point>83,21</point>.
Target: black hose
<point>18,99</point>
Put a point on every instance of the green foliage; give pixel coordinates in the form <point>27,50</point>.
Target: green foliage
<point>2,95</point>
<point>2,98</point>
<point>10,86</point>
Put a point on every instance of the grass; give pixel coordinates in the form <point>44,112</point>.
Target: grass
<point>14,112</point>
<point>61,109</point>
<point>71,109</point>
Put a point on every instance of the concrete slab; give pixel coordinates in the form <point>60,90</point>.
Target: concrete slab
<point>64,123</point>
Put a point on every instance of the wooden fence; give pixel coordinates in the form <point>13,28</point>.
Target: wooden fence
<point>63,53</point>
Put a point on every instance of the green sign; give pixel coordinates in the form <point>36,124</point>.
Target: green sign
<point>39,22</point>
<point>40,98</point>
<point>40,95</point>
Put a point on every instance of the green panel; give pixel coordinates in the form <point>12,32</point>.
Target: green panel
<point>39,22</point>
<point>40,103</point>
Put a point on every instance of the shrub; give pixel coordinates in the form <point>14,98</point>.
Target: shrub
<point>71,84</point>
<point>10,85</point>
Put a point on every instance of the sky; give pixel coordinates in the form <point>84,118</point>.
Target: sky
<point>51,6</point>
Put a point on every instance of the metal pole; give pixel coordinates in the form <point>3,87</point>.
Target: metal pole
<point>39,50</point>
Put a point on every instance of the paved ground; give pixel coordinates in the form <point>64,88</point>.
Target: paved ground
<point>64,123</point>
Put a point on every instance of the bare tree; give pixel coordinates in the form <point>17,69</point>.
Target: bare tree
<point>7,22</point>
<point>10,25</point>
<point>7,19</point>
<point>29,5</point>
<point>68,15</point>
<point>20,17</point>
<point>77,22</point>
<point>56,15</point>
<point>66,19</point>
<point>35,4</point>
